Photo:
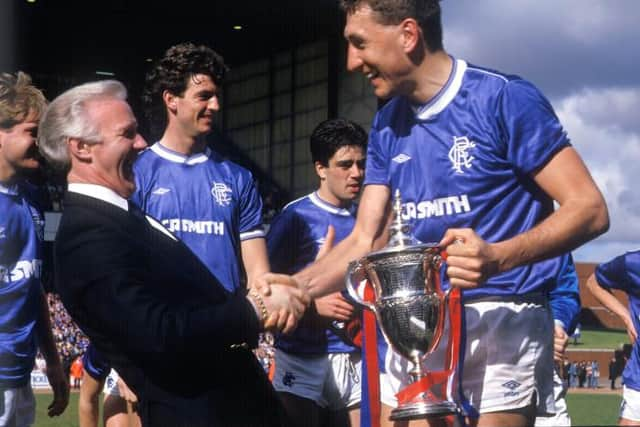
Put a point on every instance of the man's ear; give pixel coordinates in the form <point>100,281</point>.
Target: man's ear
<point>411,34</point>
<point>80,149</point>
<point>321,170</point>
<point>170,101</point>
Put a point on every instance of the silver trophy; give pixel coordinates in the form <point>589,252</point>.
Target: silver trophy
<point>409,306</point>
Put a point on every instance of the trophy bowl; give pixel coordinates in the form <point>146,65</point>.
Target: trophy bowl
<point>410,308</point>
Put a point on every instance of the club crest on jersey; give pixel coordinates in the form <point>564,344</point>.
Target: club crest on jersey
<point>459,153</point>
<point>2,233</point>
<point>221,193</point>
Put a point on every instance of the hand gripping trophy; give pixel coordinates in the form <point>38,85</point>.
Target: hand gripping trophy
<point>410,307</point>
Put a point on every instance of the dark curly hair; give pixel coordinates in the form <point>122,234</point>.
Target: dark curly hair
<point>172,72</point>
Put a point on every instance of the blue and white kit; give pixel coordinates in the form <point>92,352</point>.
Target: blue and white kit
<point>623,272</point>
<point>210,203</point>
<point>312,362</point>
<point>21,236</point>
<point>464,159</point>
<point>294,239</point>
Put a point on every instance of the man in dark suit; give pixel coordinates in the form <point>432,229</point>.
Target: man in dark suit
<point>142,297</point>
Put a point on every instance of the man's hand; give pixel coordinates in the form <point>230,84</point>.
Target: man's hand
<point>60,386</point>
<point>470,260</point>
<point>560,341</point>
<point>286,303</point>
<point>334,307</point>
<point>263,283</point>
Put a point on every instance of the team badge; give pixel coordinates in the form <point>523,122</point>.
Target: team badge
<point>221,193</point>
<point>2,233</point>
<point>459,153</point>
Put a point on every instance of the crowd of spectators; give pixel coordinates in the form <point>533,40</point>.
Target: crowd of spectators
<point>70,341</point>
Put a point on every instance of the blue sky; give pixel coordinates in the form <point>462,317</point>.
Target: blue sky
<point>584,56</point>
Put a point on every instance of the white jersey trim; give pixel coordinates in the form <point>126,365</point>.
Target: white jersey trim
<point>446,96</point>
<point>316,200</point>
<point>175,157</point>
<point>253,234</point>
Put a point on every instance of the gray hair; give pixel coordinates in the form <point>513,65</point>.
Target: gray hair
<point>67,118</point>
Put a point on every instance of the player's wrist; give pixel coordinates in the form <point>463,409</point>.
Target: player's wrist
<point>259,306</point>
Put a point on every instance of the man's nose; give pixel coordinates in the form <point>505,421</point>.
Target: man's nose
<point>139,143</point>
<point>214,103</point>
<point>353,59</point>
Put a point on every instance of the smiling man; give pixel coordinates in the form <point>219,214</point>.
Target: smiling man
<point>209,202</point>
<point>479,158</point>
<point>144,299</point>
<point>24,313</point>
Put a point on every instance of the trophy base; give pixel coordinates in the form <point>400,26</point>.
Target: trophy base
<point>423,409</point>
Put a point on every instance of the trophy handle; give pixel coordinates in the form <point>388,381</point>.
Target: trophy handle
<point>355,275</point>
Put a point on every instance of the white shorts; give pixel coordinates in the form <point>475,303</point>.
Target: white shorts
<point>331,380</point>
<point>17,407</point>
<point>561,417</point>
<point>111,384</point>
<point>508,357</point>
<point>630,406</point>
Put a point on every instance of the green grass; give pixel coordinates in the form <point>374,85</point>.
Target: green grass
<point>585,410</point>
<point>609,339</point>
<point>593,409</point>
<point>68,419</point>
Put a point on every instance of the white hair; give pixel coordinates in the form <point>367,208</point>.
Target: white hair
<point>66,117</point>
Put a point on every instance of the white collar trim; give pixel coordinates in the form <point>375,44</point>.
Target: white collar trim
<point>446,95</point>
<point>316,200</point>
<point>176,157</point>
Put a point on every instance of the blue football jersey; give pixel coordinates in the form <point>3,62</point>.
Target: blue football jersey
<point>623,273</point>
<point>293,241</point>
<point>465,159</point>
<point>21,236</point>
<point>209,202</point>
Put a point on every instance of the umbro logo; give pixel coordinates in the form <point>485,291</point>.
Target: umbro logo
<point>401,158</point>
<point>288,379</point>
<point>161,191</point>
<point>511,385</point>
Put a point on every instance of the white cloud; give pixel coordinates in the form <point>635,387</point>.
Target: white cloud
<point>610,146</point>
<point>582,55</point>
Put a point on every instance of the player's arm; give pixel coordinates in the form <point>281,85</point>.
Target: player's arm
<point>326,275</point>
<point>582,215</point>
<point>609,301</point>
<point>254,258</point>
<point>55,374</point>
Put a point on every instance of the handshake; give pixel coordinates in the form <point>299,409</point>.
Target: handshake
<point>279,300</point>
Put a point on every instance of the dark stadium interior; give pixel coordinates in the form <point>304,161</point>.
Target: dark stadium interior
<point>77,38</point>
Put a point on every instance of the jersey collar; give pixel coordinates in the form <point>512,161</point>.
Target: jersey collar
<point>10,190</point>
<point>174,156</point>
<point>316,200</point>
<point>446,94</point>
